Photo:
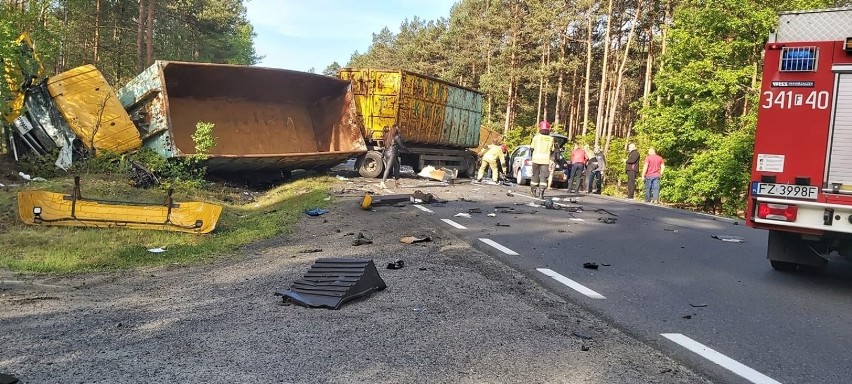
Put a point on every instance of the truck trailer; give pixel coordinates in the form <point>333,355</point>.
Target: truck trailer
<point>268,121</point>
<point>438,120</point>
<point>801,179</point>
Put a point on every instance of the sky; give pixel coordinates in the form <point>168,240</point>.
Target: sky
<point>305,34</point>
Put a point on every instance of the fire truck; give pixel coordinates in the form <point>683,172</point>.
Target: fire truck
<point>801,179</point>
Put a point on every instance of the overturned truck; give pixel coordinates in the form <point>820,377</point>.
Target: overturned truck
<point>268,122</point>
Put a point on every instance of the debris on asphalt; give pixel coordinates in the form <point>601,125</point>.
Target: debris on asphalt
<point>584,348</point>
<point>156,250</point>
<point>671,230</point>
<point>466,200</point>
<point>666,370</point>
<point>736,223</point>
<point>315,212</point>
<point>371,201</point>
<point>413,239</point>
<point>474,210</point>
<point>341,178</point>
<point>699,305</point>
<point>492,215</point>
<point>418,197</point>
<point>502,207</point>
<point>419,309</point>
<point>330,283</point>
<point>361,240</point>
<point>576,219</point>
<point>465,215</point>
<point>562,231</point>
<point>590,265</point>
<point>502,225</point>
<point>398,264</point>
<point>582,335</point>
<point>606,264</point>
<point>601,210</point>
<point>728,239</point>
<point>531,204</point>
<point>349,234</point>
<point>688,317</point>
<point>442,174</point>
<point>607,220</point>
<point>8,379</point>
<point>311,250</point>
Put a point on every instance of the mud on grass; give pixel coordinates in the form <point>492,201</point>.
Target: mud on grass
<point>247,217</point>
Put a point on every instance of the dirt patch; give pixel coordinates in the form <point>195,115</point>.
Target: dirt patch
<point>451,314</point>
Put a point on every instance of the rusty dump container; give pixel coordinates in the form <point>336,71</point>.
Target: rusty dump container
<point>265,119</point>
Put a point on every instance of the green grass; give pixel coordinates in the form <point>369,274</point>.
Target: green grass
<point>44,249</point>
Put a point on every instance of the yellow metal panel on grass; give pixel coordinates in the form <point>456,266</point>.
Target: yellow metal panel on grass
<point>61,210</point>
<point>92,110</point>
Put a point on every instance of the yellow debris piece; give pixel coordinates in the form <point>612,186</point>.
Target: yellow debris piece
<point>48,208</point>
<point>92,110</point>
<point>14,72</point>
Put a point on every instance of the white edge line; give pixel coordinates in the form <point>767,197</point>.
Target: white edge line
<point>422,208</point>
<point>499,247</point>
<point>454,224</point>
<point>571,283</point>
<point>718,358</point>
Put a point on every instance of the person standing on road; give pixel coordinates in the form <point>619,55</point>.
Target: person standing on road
<point>393,145</point>
<point>631,167</point>
<point>594,171</point>
<point>542,147</point>
<point>578,164</point>
<point>651,173</point>
<point>493,153</point>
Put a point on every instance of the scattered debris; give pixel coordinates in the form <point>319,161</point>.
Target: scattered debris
<point>29,178</point>
<point>474,210</point>
<point>418,197</point>
<point>442,174</point>
<point>311,250</point>
<point>584,348</point>
<point>671,230</point>
<point>142,176</point>
<point>728,239</point>
<point>466,200</point>
<point>419,309</point>
<point>699,305</point>
<point>315,212</point>
<point>492,215</point>
<point>582,335</point>
<point>349,234</point>
<point>398,264</point>
<point>590,265</point>
<point>2,185</point>
<point>666,370</point>
<point>502,207</point>
<point>465,215</point>
<point>606,264</point>
<point>601,210</point>
<point>412,239</point>
<point>688,317</point>
<point>8,379</point>
<point>330,283</point>
<point>370,201</point>
<point>531,204</point>
<point>607,220</point>
<point>562,231</point>
<point>156,250</point>
<point>328,198</point>
<point>502,225</point>
<point>341,178</point>
<point>361,240</point>
<point>576,219</point>
<point>736,223</point>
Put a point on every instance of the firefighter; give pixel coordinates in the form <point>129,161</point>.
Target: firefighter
<point>542,147</point>
<point>493,153</point>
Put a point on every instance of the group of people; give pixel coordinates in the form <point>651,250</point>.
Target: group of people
<point>545,155</point>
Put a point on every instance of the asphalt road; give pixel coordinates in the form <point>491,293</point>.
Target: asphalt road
<point>716,306</point>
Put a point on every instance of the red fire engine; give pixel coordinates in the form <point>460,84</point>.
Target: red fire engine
<point>801,179</point>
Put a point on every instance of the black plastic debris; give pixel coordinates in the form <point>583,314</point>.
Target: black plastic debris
<point>699,305</point>
<point>474,210</point>
<point>601,210</point>
<point>582,335</point>
<point>361,240</point>
<point>8,379</point>
<point>590,265</point>
<point>728,239</point>
<point>330,283</point>
<point>311,250</point>
<point>688,317</point>
<point>607,220</point>
<point>502,225</point>
<point>396,264</point>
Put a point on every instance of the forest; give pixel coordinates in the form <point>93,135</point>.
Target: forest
<point>679,75</point>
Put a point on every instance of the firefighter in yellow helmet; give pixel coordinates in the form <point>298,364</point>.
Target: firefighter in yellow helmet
<point>542,147</point>
<point>493,153</point>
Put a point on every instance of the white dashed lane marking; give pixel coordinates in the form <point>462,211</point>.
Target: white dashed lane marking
<point>718,358</point>
<point>499,247</point>
<point>454,224</point>
<point>571,284</point>
<point>422,208</point>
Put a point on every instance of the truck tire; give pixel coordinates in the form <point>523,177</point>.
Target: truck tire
<point>469,167</point>
<point>372,165</point>
<point>788,251</point>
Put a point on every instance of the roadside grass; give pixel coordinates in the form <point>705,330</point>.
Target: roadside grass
<point>247,217</point>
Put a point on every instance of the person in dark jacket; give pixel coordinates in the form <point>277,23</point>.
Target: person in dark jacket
<point>632,168</point>
<point>594,171</point>
<point>393,145</point>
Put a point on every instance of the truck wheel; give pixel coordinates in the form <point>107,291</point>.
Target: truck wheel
<point>469,166</point>
<point>372,165</point>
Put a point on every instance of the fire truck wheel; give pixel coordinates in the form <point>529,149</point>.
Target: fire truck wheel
<point>783,265</point>
<point>372,165</point>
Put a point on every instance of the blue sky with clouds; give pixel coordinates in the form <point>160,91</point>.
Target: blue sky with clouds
<point>304,34</point>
